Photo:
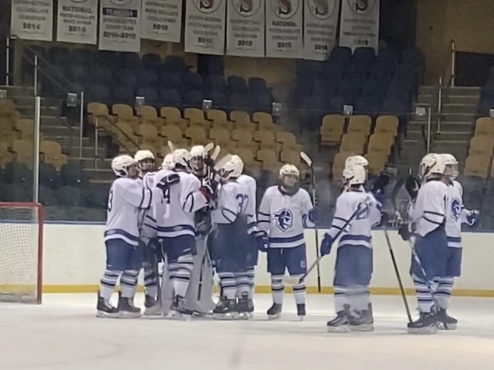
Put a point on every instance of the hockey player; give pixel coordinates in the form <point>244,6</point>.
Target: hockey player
<point>200,291</point>
<point>126,199</point>
<point>284,212</point>
<point>456,215</point>
<point>230,244</point>
<point>356,212</point>
<point>428,219</point>
<point>167,162</point>
<point>182,197</point>
<point>250,183</point>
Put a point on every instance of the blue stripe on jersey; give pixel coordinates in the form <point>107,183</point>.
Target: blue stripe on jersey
<point>359,238</point>
<point>289,239</point>
<point>340,219</point>
<point>263,221</point>
<point>191,203</point>
<point>454,239</point>
<point>223,210</point>
<point>434,213</point>
<point>176,228</point>
<point>151,218</point>
<point>151,226</point>
<point>265,214</point>
<point>121,232</point>
<point>432,222</point>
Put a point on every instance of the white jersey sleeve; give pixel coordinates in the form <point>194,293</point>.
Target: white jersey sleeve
<point>264,215</point>
<point>191,198</point>
<point>430,212</point>
<point>306,207</point>
<point>251,188</point>
<point>233,201</point>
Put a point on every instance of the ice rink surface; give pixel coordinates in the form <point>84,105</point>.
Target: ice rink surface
<point>64,333</point>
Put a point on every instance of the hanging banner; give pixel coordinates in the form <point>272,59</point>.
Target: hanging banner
<point>161,20</point>
<point>284,36</point>
<point>205,27</point>
<point>320,22</point>
<point>359,25</point>
<point>32,19</point>
<point>245,28</point>
<point>120,25</point>
<point>77,21</point>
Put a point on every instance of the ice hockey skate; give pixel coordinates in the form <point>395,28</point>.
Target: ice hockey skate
<point>106,310</point>
<point>364,321</point>
<point>340,323</point>
<point>178,311</point>
<point>225,310</point>
<point>243,307</point>
<point>127,308</point>
<point>301,311</point>
<point>274,311</point>
<point>446,322</point>
<point>426,324</point>
<point>152,307</point>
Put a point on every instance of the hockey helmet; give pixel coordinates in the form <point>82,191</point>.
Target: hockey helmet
<point>167,162</point>
<point>145,160</point>
<point>232,169</point>
<point>355,175</point>
<point>289,176</point>
<point>451,166</point>
<point>197,155</point>
<point>356,160</point>
<point>124,166</point>
<point>181,159</point>
<point>431,164</point>
<point>239,162</point>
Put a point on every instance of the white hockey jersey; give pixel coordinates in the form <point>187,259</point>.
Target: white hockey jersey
<point>126,199</point>
<point>456,214</point>
<point>357,232</point>
<point>251,185</point>
<point>283,217</point>
<point>147,217</point>
<point>174,212</point>
<point>233,201</point>
<point>430,208</point>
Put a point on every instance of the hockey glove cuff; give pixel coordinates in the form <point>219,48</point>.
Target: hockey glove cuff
<point>262,241</point>
<point>312,215</point>
<point>412,186</point>
<point>406,231</point>
<point>473,218</point>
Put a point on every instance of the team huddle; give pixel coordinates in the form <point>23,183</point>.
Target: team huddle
<point>194,218</point>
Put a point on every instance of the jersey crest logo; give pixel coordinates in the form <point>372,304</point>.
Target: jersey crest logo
<point>284,219</point>
<point>455,208</point>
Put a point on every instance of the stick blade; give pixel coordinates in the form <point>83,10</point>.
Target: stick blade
<point>208,147</point>
<point>306,158</point>
<point>221,163</point>
<point>216,152</point>
<point>171,146</point>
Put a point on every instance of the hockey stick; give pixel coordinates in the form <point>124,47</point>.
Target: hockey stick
<point>400,283</point>
<point>216,152</point>
<point>208,147</point>
<point>171,146</point>
<point>307,160</point>
<point>295,281</point>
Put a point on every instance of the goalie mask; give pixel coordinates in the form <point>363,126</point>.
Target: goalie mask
<point>145,161</point>
<point>289,178</point>
<point>432,165</point>
<point>124,166</point>
<point>451,164</point>
<point>197,156</point>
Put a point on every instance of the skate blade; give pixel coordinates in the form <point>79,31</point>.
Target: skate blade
<point>423,331</point>
<point>301,318</point>
<point>274,317</point>
<point>177,316</point>
<point>363,328</point>
<point>106,315</point>
<point>441,326</point>
<point>338,329</point>
<point>152,311</point>
<point>225,317</point>
<point>130,315</point>
<point>243,316</point>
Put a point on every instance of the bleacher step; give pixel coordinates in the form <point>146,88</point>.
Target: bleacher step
<point>459,108</point>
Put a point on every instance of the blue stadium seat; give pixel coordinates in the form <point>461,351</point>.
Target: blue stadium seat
<point>59,56</point>
<point>131,60</point>
<point>83,57</point>
<point>194,81</point>
<point>215,83</point>
<point>170,97</point>
<point>236,84</point>
<point>146,78</point>
<point>123,94</point>
<point>377,88</point>
<point>150,94</point>
<point>171,80</point>
<point>126,77</point>
<point>151,60</point>
<point>108,59</point>
<point>98,93</point>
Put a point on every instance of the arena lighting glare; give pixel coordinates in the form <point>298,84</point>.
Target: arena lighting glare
<point>139,102</point>
<point>420,111</point>
<point>276,109</point>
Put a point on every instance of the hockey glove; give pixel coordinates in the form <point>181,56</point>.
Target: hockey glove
<point>312,215</point>
<point>326,245</point>
<point>262,241</point>
<point>208,189</point>
<point>380,183</point>
<point>406,231</point>
<point>412,186</point>
<point>473,218</point>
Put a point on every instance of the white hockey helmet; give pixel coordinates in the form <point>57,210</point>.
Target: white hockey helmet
<point>232,169</point>
<point>197,155</point>
<point>451,166</point>
<point>239,162</point>
<point>181,158</point>
<point>431,164</point>
<point>167,162</point>
<point>124,166</point>
<point>355,175</point>
<point>289,176</point>
<point>145,160</point>
<point>356,160</point>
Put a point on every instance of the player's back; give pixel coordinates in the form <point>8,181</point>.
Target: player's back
<point>453,216</point>
<point>122,215</point>
<point>430,208</point>
<point>359,231</point>
<point>251,185</point>
<point>175,215</point>
<point>233,201</point>
<point>285,215</point>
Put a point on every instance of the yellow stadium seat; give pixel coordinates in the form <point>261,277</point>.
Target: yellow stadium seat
<point>482,145</point>
<point>125,114</point>
<point>195,117</point>
<point>484,126</point>
<point>377,162</point>
<point>197,135</point>
<point>172,117</point>
<point>98,116</point>
<point>477,165</point>
<point>353,142</point>
<point>381,142</point>
<point>52,152</point>
<point>5,154</point>
<point>332,129</point>
<point>360,124</point>
<point>387,124</point>
<point>339,164</point>
<point>150,116</point>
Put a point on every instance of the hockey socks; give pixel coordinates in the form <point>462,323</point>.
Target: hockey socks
<point>250,276</point>
<point>107,283</point>
<point>424,294</point>
<point>150,282</point>
<point>299,291</point>
<point>180,274</point>
<point>242,284</point>
<point>277,289</point>
<point>228,285</point>
<point>443,291</point>
<point>128,283</point>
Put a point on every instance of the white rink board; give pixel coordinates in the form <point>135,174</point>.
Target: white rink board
<point>74,255</point>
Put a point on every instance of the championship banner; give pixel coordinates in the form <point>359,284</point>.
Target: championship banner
<point>359,25</point>
<point>77,21</point>
<point>205,27</point>
<point>284,36</point>
<point>32,19</point>
<point>245,28</point>
<point>320,22</point>
<point>120,25</point>
<point>161,20</point>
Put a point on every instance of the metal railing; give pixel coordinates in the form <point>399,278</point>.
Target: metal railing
<point>447,79</point>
